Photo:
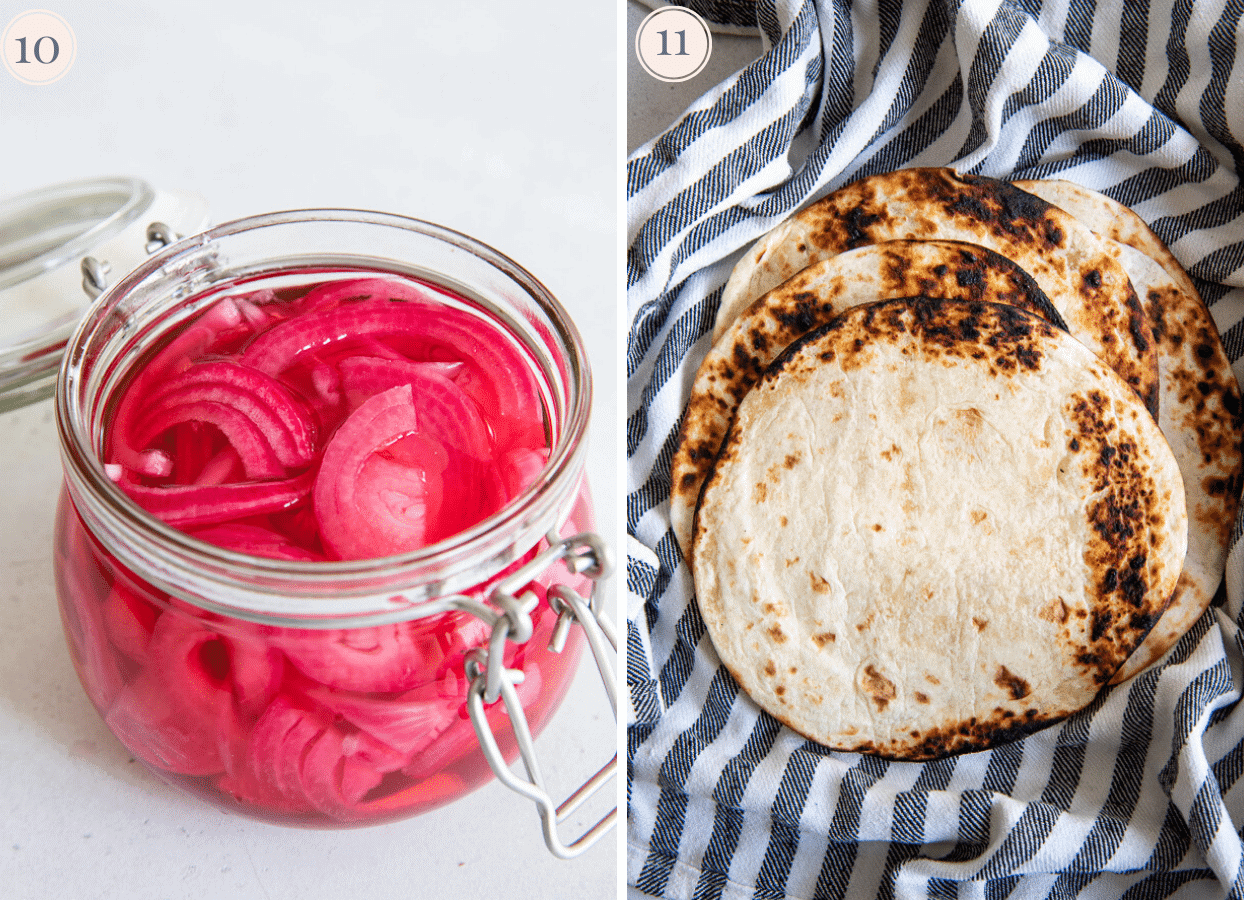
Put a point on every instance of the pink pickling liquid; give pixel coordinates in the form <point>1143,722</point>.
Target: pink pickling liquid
<point>344,418</point>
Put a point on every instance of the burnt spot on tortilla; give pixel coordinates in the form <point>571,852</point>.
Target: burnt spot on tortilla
<point>1138,323</point>
<point>775,632</point>
<point>1127,508</point>
<point>1002,208</point>
<point>1102,620</point>
<point>799,313</point>
<point>968,276</point>
<point>770,668</point>
<point>857,224</point>
<point>920,697</point>
<point>744,364</point>
<point>895,267</point>
<point>877,687</point>
<point>823,638</point>
<point>702,450</point>
<point>1222,488</point>
<point>968,735</point>
<point>981,624</point>
<point>1015,686</point>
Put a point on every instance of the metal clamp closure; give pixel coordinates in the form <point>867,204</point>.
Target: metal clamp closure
<point>94,276</point>
<point>584,554</point>
<point>159,236</point>
<point>95,271</point>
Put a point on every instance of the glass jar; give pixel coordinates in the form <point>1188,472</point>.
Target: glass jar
<point>323,693</point>
<point>63,235</point>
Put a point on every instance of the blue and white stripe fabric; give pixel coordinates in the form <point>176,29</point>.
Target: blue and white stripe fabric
<point>723,16</point>
<point>1141,795</point>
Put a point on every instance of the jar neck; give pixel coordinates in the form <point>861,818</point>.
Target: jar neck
<point>177,284</point>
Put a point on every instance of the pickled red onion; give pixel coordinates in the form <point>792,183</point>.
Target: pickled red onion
<point>408,723</point>
<point>252,443</point>
<point>204,332</point>
<point>442,407</point>
<point>254,540</point>
<point>383,658</point>
<point>260,397</point>
<point>333,293</point>
<point>363,514</point>
<point>189,505</point>
<point>129,621</point>
<point>497,377</point>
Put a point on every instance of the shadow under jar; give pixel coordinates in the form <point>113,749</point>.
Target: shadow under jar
<point>301,451</point>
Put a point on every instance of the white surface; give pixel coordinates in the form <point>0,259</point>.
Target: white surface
<point>500,124</point>
<point>653,105</point>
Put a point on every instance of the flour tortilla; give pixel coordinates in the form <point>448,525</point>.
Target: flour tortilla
<point>1199,403</point>
<point>1200,415</point>
<point>1078,271</point>
<point>1109,218</point>
<point>935,526</point>
<point>890,269</point>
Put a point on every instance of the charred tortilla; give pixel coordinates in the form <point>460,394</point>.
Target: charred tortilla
<point>935,525</point>
<point>949,269</point>
<point>1076,269</point>
<point>1199,413</point>
<point>1198,402</point>
<point>1109,218</point>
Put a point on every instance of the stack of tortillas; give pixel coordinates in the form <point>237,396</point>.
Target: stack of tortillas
<point>961,454</point>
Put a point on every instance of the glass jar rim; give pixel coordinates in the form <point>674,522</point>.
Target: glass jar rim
<point>335,593</point>
<point>44,234</point>
<point>92,209</point>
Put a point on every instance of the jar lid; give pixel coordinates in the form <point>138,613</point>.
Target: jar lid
<point>60,246</point>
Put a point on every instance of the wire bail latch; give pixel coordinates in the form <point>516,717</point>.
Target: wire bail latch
<point>584,554</point>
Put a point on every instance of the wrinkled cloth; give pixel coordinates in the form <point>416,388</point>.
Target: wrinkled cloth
<point>725,16</point>
<point>1138,796</point>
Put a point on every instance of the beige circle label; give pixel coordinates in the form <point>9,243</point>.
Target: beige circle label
<point>673,43</point>
<point>38,47</point>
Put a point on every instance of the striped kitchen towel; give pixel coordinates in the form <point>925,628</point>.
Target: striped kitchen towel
<point>724,16</point>
<point>1139,796</point>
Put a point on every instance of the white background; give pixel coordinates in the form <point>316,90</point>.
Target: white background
<point>497,119</point>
